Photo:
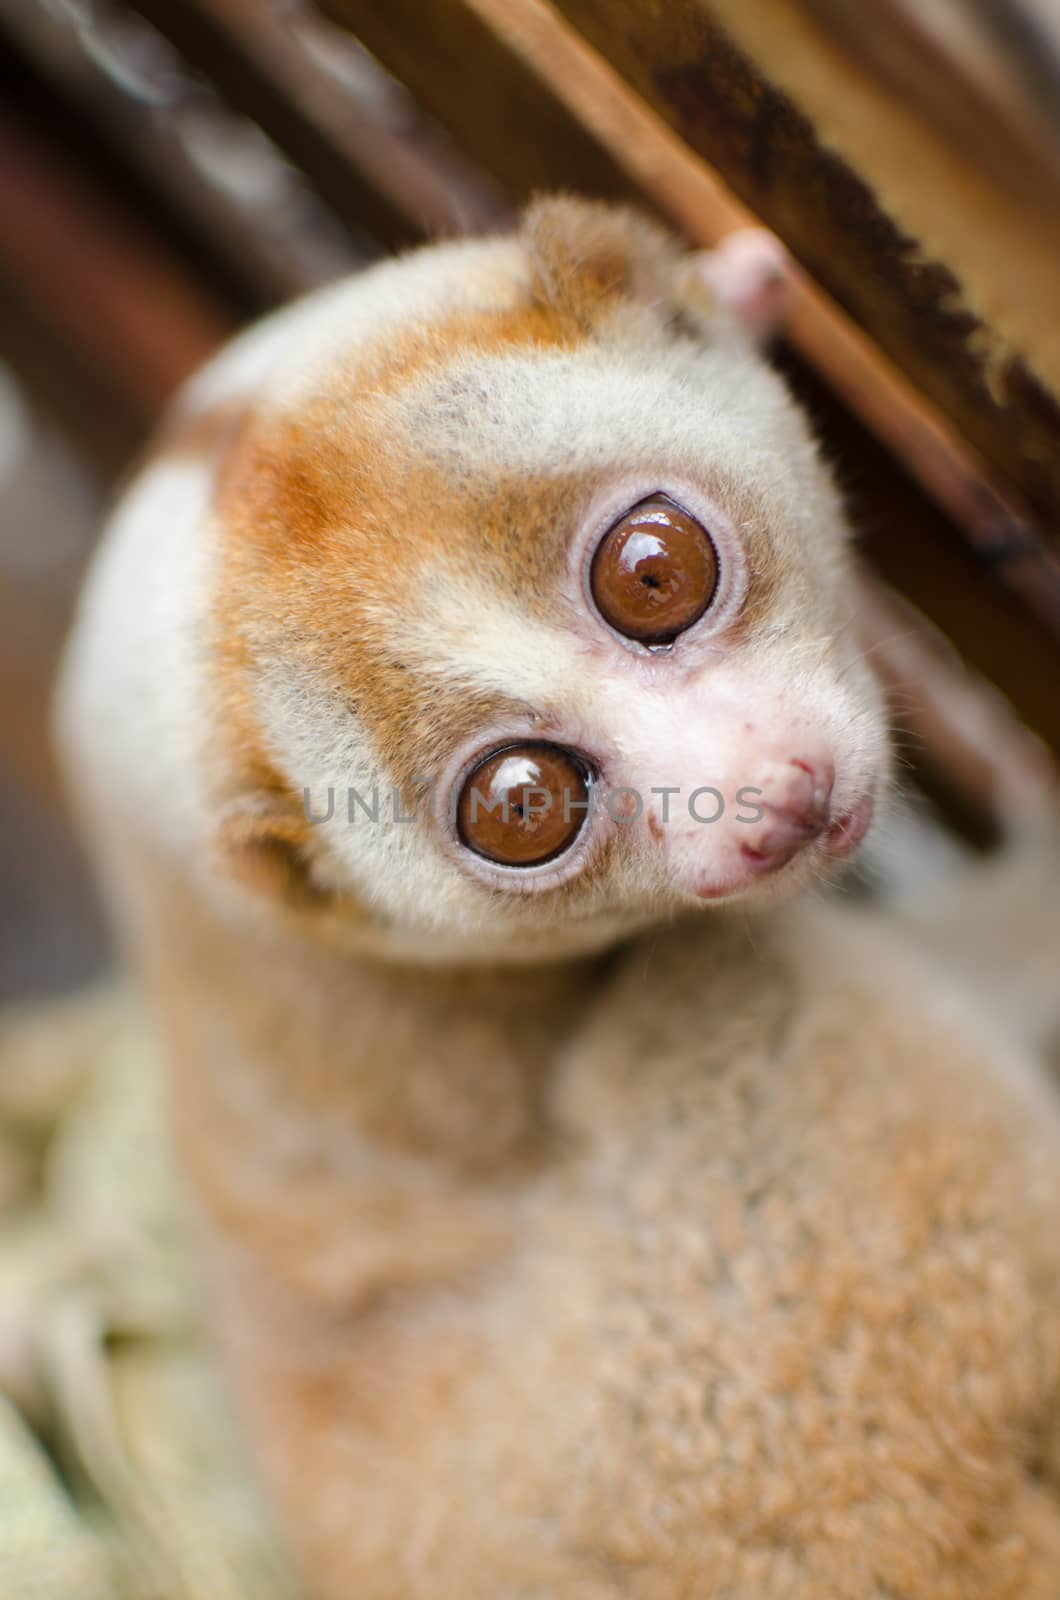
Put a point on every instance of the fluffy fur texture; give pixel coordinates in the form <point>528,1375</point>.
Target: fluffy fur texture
<point>608,1228</point>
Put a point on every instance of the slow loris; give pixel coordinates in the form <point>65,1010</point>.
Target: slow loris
<point>463,693</point>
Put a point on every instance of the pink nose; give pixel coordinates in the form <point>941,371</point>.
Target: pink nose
<point>796,804</point>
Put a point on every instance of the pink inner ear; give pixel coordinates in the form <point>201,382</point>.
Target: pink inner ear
<point>750,275</point>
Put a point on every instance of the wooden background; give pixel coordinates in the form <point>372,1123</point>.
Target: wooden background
<point>170,168</point>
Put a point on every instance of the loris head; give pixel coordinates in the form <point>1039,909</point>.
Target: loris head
<point>534,614</point>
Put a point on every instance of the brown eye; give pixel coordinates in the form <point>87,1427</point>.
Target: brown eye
<point>523,805</point>
<point>655,572</point>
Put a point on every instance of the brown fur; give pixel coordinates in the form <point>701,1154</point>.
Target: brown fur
<point>773,1316</point>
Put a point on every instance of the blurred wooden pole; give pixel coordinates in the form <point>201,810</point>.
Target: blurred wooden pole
<point>123,305</point>
<point>393,187</point>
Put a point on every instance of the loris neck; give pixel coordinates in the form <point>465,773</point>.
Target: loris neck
<point>449,1064</point>
<point>356,1124</point>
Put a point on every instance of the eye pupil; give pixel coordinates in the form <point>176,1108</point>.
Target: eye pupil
<point>655,572</point>
<point>523,805</point>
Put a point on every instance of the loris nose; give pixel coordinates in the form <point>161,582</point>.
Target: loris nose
<point>795,799</point>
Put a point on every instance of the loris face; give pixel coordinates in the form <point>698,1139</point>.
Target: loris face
<point>534,614</point>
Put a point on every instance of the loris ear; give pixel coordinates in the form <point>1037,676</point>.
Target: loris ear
<point>587,257</point>
<point>748,277</point>
<point>264,841</point>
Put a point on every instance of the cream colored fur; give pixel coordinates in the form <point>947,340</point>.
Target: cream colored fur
<point>571,1238</point>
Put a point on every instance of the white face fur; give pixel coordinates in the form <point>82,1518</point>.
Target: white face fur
<point>427,561</point>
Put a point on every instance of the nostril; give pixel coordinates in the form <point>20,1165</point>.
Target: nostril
<point>796,811</point>
<point>796,803</point>
<point>809,795</point>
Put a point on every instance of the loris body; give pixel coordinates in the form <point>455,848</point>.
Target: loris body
<point>585,1222</point>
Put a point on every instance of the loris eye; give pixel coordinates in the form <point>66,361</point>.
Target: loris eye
<point>654,572</point>
<point>524,805</point>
